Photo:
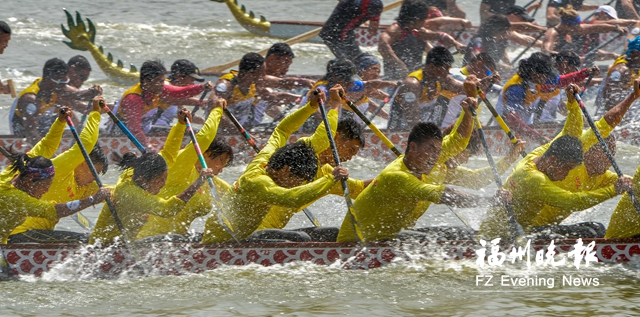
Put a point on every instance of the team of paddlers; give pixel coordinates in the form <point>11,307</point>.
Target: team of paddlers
<point>160,193</point>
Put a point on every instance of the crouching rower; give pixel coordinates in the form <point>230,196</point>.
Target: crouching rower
<point>405,189</point>
<point>275,177</point>
<point>136,192</point>
<point>217,155</point>
<point>73,180</point>
<point>23,184</point>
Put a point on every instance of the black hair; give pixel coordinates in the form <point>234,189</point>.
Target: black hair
<point>349,129</point>
<point>79,61</point>
<point>55,68</point>
<point>567,56</point>
<point>439,56</point>
<point>250,62</point>
<point>538,62</point>
<point>411,11</point>
<point>151,70</point>
<point>485,58</point>
<point>475,143</point>
<point>568,149</point>
<point>494,25</point>
<point>300,158</point>
<point>218,147</point>
<point>280,49</point>
<point>343,69</point>
<point>148,166</point>
<point>5,28</point>
<point>423,132</point>
<point>98,156</point>
<point>22,161</point>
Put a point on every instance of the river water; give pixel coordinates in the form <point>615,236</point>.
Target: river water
<point>206,33</point>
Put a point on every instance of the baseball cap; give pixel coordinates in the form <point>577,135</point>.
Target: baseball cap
<point>609,10</point>
<point>518,10</point>
<point>186,68</point>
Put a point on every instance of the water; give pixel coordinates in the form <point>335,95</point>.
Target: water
<point>206,33</point>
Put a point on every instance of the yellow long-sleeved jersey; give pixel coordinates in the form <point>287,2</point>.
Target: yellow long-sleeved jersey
<point>64,187</point>
<point>253,194</point>
<point>625,222</point>
<point>134,204</point>
<point>475,179</point>
<point>180,176</point>
<point>396,198</point>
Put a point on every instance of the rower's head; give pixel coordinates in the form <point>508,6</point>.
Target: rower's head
<point>423,147</point>
<point>251,67</point>
<point>495,26</point>
<point>537,68</point>
<point>438,62</point>
<point>184,73</point>
<point>474,147</point>
<point>79,70</point>
<point>35,174</point>
<point>412,14</point>
<point>566,62</point>
<point>596,161</point>
<point>606,13</point>
<point>569,17</point>
<point>367,66</point>
<point>278,60</point>
<point>149,170</point>
<point>341,72</point>
<point>218,155</point>
<point>517,13</point>
<point>633,52</point>
<point>152,75</point>
<point>481,65</point>
<point>564,154</point>
<point>292,165</point>
<point>349,140</point>
<point>54,74</point>
<point>82,173</point>
<point>5,35</point>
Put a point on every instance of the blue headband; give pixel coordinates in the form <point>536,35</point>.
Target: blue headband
<point>575,21</point>
<point>366,61</point>
<point>633,45</point>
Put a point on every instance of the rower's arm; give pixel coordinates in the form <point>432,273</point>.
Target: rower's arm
<point>67,161</point>
<point>614,116</point>
<point>475,179</point>
<point>267,191</point>
<point>48,146</point>
<point>387,38</point>
<point>628,8</point>
<point>552,195</point>
<point>356,186</point>
<point>173,143</point>
<point>318,140</point>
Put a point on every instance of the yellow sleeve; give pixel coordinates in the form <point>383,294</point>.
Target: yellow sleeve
<point>356,186</point>
<point>205,136</point>
<point>407,185</point>
<point>552,195</point>
<point>67,161</point>
<point>172,145</point>
<point>48,146</point>
<point>285,128</point>
<point>319,140</point>
<point>268,192</point>
<point>454,143</point>
<point>589,138</point>
<point>574,123</point>
<point>475,179</point>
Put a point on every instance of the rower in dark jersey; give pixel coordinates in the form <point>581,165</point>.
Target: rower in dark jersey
<point>628,9</point>
<point>338,32</point>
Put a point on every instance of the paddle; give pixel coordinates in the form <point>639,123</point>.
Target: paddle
<point>124,129</point>
<point>602,143</point>
<point>94,172</point>
<point>514,228</point>
<point>371,126</point>
<point>336,158</point>
<point>252,143</point>
<point>296,39</point>
<point>533,15</point>
<point>499,119</point>
<point>586,85</point>
<point>224,221</point>
<point>12,88</point>
<point>197,107</point>
<point>388,102</point>
<point>595,50</point>
<point>84,114</point>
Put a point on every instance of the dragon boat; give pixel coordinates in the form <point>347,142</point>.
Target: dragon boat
<point>374,147</point>
<point>184,258</point>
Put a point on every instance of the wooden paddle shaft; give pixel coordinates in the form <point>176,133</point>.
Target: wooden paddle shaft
<point>296,39</point>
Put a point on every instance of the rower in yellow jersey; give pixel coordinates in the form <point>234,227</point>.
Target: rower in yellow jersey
<point>217,155</point>
<point>532,184</point>
<point>403,191</point>
<point>23,184</point>
<point>135,195</point>
<point>276,176</point>
<point>349,139</point>
<point>73,181</point>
